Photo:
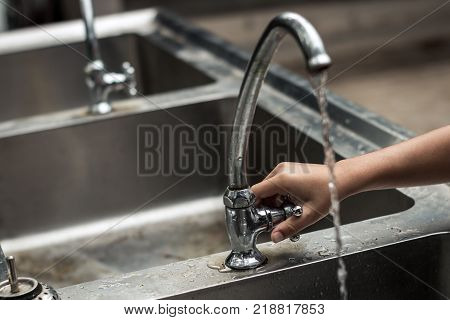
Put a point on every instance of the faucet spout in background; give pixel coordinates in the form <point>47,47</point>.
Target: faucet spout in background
<point>100,82</point>
<point>244,221</point>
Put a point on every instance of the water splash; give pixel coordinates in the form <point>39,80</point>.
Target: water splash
<point>220,267</point>
<point>319,83</point>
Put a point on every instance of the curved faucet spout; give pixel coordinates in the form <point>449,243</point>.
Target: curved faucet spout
<point>244,220</point>
<point>317,59</point>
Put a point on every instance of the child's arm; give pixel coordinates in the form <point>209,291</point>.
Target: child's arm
<point>422,160</point>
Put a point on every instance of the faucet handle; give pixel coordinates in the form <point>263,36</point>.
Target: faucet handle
<point>130,76</point>
<point>292,209</point>
<point>285,211</point>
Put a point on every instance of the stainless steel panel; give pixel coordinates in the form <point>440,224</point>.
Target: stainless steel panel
<point>415,269</point>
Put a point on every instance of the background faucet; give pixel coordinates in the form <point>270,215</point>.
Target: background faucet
<point>100,82</point>
<point>3,267</point>
<point>245,221</point>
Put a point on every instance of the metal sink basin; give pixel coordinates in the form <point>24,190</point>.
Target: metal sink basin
<point>51,77</point>
<point>89,175</point>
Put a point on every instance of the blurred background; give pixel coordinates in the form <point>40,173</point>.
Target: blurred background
<point>407,80</point>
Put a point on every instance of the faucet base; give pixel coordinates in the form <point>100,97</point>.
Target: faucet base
<point>100,108</point>
<point>245,260</point>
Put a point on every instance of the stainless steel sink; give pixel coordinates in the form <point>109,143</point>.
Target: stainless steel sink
<point>78,212</point>
<point>86,174</point>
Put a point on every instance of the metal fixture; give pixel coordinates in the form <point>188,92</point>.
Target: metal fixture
<point>3,268</point>
<point>100,82</point>
<point>21,288</point>
<point>244,221</point>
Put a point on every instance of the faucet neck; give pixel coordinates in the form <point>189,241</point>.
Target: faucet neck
<point>92,47</point>
<point>316,57</point>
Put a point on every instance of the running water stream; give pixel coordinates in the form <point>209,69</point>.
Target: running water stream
<point>319,84</point>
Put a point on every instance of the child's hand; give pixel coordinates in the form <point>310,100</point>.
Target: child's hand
<point>306,184</point>
<point>418,161</point>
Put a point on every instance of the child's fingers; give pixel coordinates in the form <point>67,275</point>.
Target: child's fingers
<point>268,188</point>
<point>272,173</point>
<point>274,201</point>
<point>282,166</point>
<point>293,225</point>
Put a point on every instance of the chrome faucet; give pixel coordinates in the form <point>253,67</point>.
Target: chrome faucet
<point>3,267</point>
<point>100,82</point>
<point>244,220</point>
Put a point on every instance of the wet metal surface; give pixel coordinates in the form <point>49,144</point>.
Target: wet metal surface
<point>294,271</point>
<point>414,269</point>
<point>152,239</point>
